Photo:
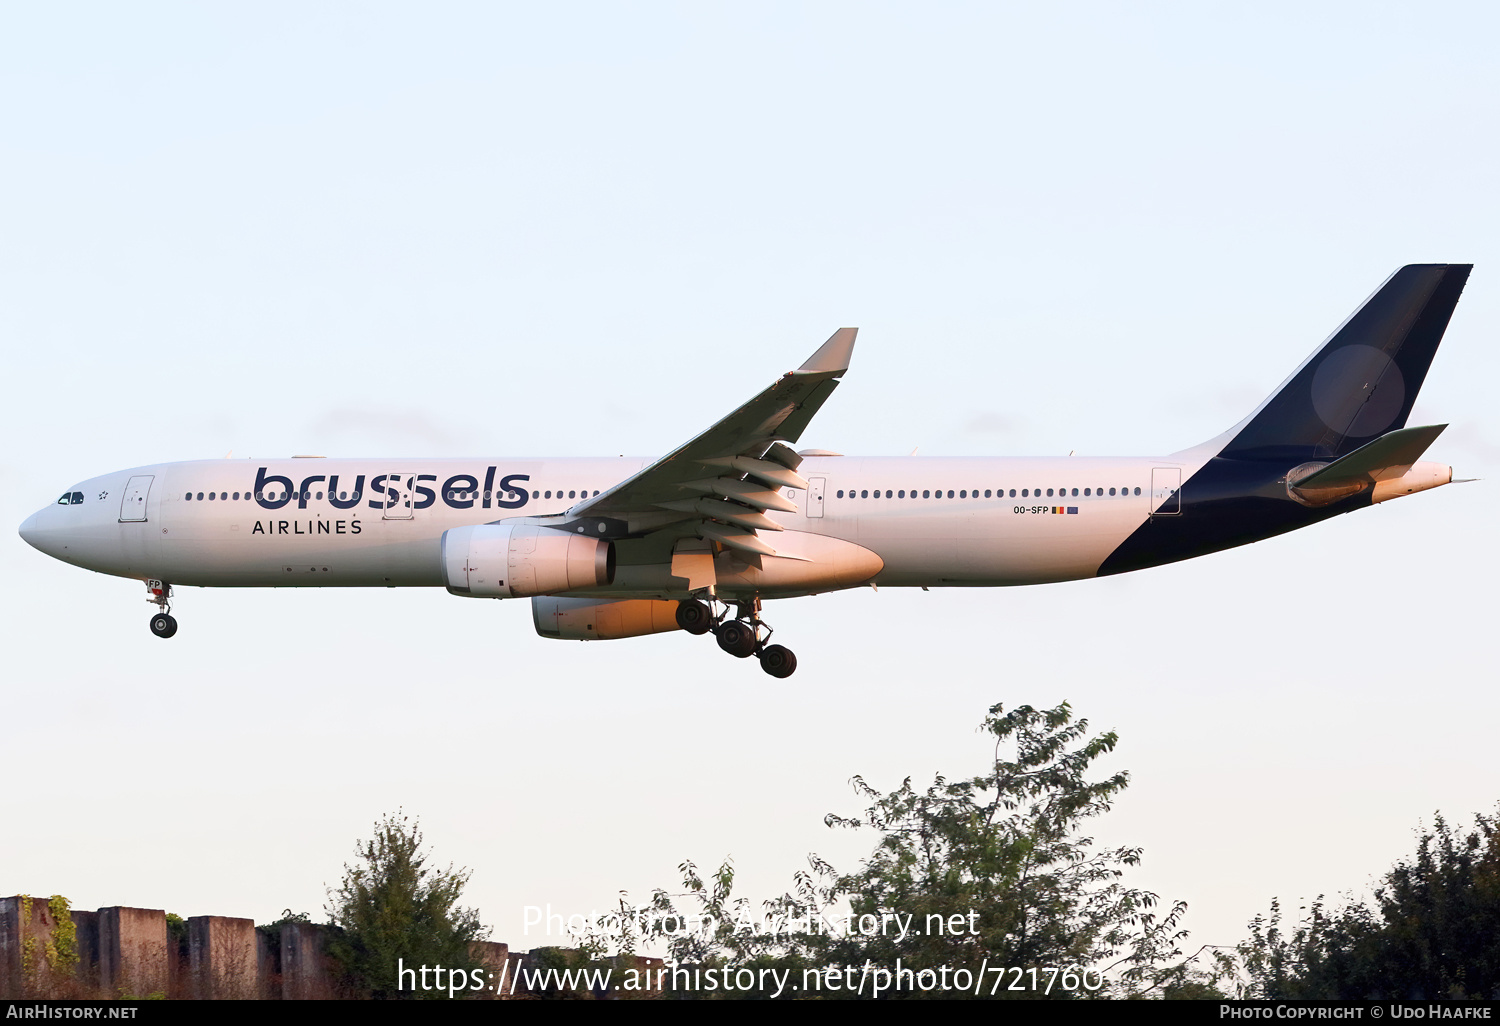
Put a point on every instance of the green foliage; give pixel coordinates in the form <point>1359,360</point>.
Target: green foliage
<point>992,867</point>
<point>177,935</point>
<point>272,931</point>
<point>1003,849</point>
<point>1433,933</point>
<point>57,957</point>
<point>392,905</point>
<point>62,951</point>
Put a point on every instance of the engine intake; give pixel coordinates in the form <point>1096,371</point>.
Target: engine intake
<point>517,560</point>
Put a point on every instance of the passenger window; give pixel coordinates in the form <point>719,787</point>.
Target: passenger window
<point>986,493</point>
<point>200,496</point>
<point>1012,493</point>
<point>963,494</point>
<point>1049,493</point>
<point>1075,491</point>
<point>864,494</point>
<point>1025,494</point>
<point>571,494</point>
<point>1137,491</point>
<point>901,494</point>
<point>926,494</point>
<point>950,493</point>
<point>187,497</point>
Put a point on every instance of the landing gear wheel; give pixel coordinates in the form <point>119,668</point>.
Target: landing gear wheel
<point>163,625</point>
<point>778,661</point>
<point>737,638</point>
<point>694,616</point>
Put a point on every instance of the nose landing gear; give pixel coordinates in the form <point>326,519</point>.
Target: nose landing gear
<point>163,624</point>
<point>741,636</point>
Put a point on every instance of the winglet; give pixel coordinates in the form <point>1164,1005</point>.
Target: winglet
<point>833,356</point>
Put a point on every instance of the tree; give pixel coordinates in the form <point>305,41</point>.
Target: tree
<point>1433,933</point>
<point>392,905</point>
<point>993,868</point>
<point>1001,858</point>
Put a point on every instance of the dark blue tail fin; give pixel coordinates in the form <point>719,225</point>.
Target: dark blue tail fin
<point>1364,379</point>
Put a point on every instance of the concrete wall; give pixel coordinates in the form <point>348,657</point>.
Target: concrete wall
<point>30,962</point>
<point>268,966</point>
<point>86,936</point>
<point>493,956</point>
<point>132,951</point>
<point>306,974</point>
<point>222,958</point>
<point>10,947</point>
<point>127,953</point>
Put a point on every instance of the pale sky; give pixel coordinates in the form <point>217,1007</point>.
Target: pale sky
<point>504,230</point>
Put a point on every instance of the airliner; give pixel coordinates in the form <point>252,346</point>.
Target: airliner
<point>698,539</point>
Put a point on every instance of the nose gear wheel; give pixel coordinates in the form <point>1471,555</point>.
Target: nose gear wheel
<point>159,594</point>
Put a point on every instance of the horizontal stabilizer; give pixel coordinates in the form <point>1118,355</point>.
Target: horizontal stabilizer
<point>1389,456</point>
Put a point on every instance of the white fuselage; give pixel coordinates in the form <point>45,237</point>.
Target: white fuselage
<point>932,521</point>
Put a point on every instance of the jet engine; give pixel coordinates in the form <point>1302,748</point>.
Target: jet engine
<point>515,560</point>
<point>582,619</point>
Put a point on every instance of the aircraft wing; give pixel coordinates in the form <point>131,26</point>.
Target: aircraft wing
<point>729,475</point>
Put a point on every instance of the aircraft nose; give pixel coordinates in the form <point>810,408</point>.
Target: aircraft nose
<point>31,531</point>
<point>42,532</point>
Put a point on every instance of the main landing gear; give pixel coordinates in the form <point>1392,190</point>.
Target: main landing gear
<point>163,624</point>
<point>741,637</point>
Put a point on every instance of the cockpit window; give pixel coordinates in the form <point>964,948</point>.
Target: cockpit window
<point>71,499</point>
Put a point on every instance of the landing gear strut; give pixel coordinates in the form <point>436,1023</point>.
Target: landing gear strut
<point>163,624</point>
<point>740,636</point>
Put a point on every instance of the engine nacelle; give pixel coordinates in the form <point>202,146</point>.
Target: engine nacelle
<point>584,619</point>
<point>518,560</point>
